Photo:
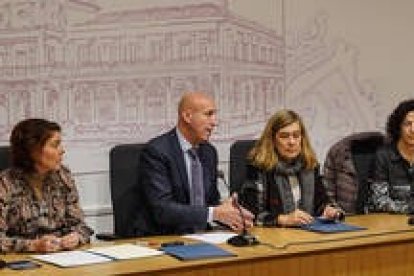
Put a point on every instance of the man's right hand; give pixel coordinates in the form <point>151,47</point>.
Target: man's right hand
<point>227,213</point>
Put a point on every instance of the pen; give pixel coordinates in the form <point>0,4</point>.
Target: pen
<point>172,243</point>
<point>146,243</point>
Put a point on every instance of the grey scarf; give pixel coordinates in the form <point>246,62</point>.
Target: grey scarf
<point>306,182</point>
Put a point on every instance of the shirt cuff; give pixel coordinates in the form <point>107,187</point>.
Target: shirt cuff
<point>210,214</point>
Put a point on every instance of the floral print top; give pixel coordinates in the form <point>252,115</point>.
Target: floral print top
<point>24,217</point>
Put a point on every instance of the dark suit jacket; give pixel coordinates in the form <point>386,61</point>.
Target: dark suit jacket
<point>165,187</point>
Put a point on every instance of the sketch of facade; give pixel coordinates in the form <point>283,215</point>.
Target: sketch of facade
<point>322,84</point>
<point>114,76</point>
<point>119,74</point>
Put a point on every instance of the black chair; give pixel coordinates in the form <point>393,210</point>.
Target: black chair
<point>124,181</point>
<point>363,156</point>
<point>4,157</point>
<point>238,163</point>
<point>349,168</point>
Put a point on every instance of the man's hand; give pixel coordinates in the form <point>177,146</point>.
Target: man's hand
<point>229,213</point>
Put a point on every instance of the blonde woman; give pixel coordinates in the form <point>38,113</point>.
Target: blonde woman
<point>283,185</point>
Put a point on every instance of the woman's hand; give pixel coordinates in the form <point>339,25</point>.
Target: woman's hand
<point>46,243</point>
<point>332,213</point>
<point>295,218</point>
<point>70,240</point>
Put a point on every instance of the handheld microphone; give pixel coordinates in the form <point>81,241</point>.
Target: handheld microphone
<point>244,238</point>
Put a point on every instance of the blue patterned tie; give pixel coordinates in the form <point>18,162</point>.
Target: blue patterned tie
<point>197,187</point>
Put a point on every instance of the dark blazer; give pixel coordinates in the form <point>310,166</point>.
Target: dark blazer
<point>165,187</point>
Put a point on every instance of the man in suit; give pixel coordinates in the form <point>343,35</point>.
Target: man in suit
<point>179,197</point>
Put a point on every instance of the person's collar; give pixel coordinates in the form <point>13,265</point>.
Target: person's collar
<point>395,153</point>
<point>184,144</point>
<point>403,151</point>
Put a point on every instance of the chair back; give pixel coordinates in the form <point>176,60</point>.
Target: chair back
<point>363,156</point>
<point>238,163</point>
<point>4,157</point>
<point>124,180</point>
<point>348,170</point>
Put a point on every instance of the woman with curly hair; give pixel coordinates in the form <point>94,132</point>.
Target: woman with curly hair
<point>393,183</point>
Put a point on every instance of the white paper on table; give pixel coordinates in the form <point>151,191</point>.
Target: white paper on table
<point>71,258</point>
<point>98,255</point>
<point>125,251</point>
<point>212,237</point>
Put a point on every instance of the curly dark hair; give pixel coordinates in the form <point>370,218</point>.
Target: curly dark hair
<point>29,135</point>
<point>397,117</point>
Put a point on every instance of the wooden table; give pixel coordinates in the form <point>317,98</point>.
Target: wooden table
<point>386,248</point>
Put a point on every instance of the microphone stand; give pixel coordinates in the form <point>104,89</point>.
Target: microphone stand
<point>244,238</point>
<point>410,220</point>
<point>3,264</point>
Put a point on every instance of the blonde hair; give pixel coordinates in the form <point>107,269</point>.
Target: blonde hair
<point>263,155</point>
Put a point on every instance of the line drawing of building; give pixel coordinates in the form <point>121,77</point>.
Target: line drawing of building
<point>116,75</point>
<point>119,75</point>
<point>323,85</point>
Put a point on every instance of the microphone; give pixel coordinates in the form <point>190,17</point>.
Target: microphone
<point>244,238</point>
<point>410,220</point>
<point>3,264</point>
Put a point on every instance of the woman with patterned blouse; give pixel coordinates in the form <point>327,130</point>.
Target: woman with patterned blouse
<point>393,184</point>
<point>39,202</point>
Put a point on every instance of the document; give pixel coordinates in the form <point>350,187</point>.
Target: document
<point>71,258</point>
<point>98,255</point>
<point>213,237</point>
<point>196,251</point>
<point>125,251</point>
<point>330,226</point>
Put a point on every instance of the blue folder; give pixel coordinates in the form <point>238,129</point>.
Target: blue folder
<point>196,251</point>
<point>330,226</point>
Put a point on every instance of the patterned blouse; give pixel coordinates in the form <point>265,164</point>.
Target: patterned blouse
<point>393,181</point>
<point>24,217</point>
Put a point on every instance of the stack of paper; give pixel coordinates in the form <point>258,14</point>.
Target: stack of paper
<point>98,255</point>
<point>212,237</point>
<point>71,258</point>
<point>125,251</point>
